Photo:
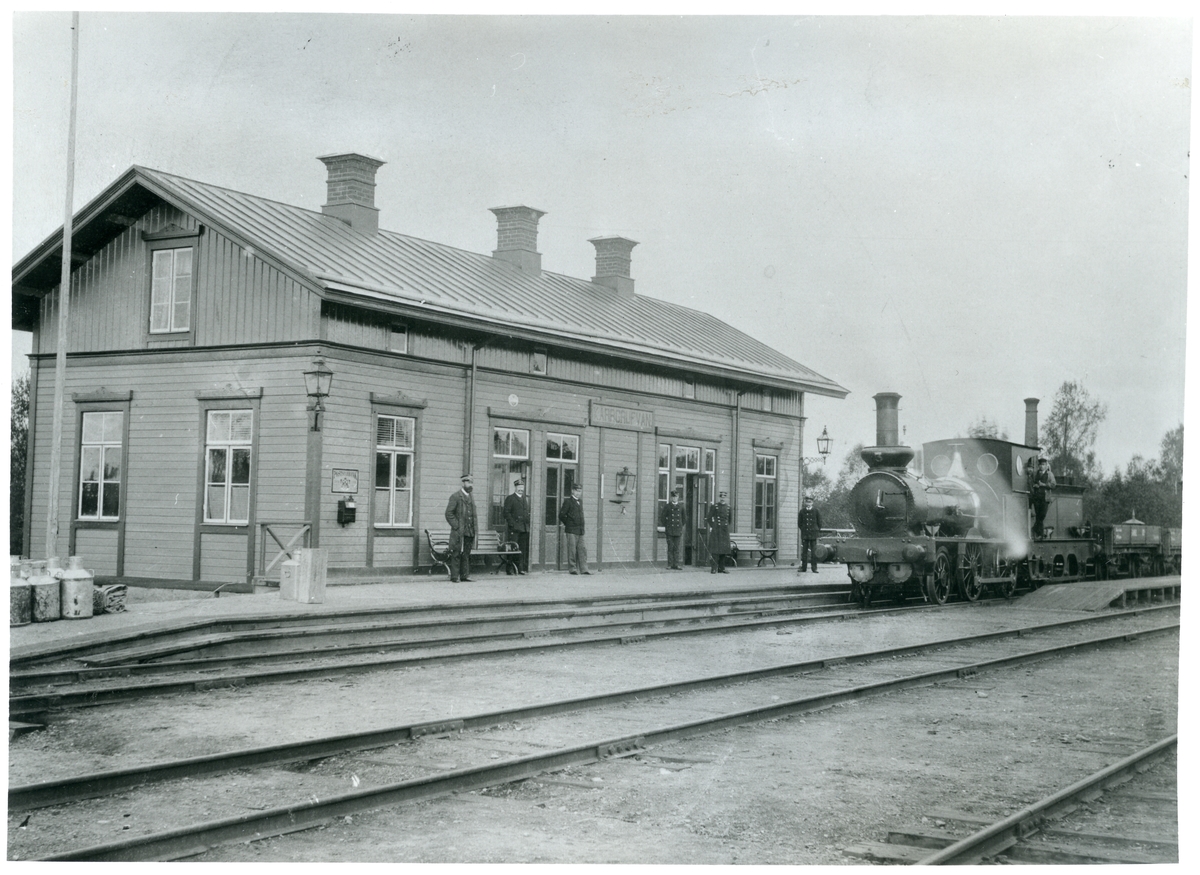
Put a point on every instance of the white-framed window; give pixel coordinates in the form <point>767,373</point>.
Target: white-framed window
<point>764,493</point>
<point>398,338</point>
<point>710,462</point>
<point>510,462</point>
<point>687,459</point>
<point>766,400</point>
<point>171,290</point>
<point>228,444</point>
<point>537,361</point>
<point>664,475</point>
<point>100,459</point>
<point>395,438</point>
<point>689,387</point>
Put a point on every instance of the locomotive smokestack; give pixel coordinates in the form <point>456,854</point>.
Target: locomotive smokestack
<point>887,419</point>
<point>1031,437</point>
<point>887,452</point>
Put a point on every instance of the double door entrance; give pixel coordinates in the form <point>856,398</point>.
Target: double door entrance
<point>559,478</point>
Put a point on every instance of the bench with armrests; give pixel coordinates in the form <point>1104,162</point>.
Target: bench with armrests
<point>751,543</point>
<point>486,544</point>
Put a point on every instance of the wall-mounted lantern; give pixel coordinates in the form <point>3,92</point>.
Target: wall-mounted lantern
<point>823,444</point>
<point>626,484</point>
<point>316,384</point>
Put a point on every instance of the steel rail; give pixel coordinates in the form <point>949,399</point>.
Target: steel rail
<point>1007,832</point>
<point>27,705</point>
<point>335,745</point>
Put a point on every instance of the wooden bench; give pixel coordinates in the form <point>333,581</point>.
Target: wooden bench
<point>486,544</point>
<point>752,543</point>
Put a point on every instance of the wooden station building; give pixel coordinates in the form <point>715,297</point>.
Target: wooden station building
<point>197,314</point>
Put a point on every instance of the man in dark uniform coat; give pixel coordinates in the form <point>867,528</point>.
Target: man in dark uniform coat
<point>719,519</point>
<point>460,513</point>
<point>810,529</point>
<point>571,517</point>
<point>671,518</point>
<point>1040,485</point>
<point>516,519</point>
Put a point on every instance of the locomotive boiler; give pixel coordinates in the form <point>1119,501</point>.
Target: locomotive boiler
<point>962,524</point>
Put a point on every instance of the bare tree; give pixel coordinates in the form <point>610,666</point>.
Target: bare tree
<point>1069,433</point>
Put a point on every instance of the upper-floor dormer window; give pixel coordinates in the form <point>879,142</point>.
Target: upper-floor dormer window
<point>171,290</point>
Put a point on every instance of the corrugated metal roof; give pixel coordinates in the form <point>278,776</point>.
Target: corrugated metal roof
<point>443,279</point>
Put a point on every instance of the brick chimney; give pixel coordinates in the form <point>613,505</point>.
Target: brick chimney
<point>351,190</point>
<point>1031,423</point>
<point>613,258</point>
<point>516,237</point>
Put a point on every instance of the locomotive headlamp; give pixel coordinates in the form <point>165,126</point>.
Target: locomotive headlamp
<point>860,572</point>
<point>898,572</point>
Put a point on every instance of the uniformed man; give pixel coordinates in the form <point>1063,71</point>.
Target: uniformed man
<point>719,519</point>
<point>1040,485</point>
<point>516,520</point>
<point>571,517</point>
<point>460,513</point>
<point>809,523</point>
<point>671,518</point>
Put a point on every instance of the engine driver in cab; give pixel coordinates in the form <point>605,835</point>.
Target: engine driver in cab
<point>1039,487</point>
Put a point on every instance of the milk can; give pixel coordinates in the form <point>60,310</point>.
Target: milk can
<point>18,597</point>
<point>76,591</point>
<point>46,595</point>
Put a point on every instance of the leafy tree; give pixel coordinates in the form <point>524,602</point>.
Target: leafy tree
<point>986,428</point>
<point>1171,458</point>
<point>19,440</point>
<point>1069,432</point>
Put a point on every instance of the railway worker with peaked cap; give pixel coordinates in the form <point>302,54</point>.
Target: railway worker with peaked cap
<point>672,519</point>
<point>718,520</point>
<point>1040,485</point>
<point>516,521</point>
<point>460,513</point>
<point>809,523</point>
<point>571,517</point>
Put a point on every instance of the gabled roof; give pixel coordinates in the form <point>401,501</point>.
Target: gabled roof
<point>394,271</point>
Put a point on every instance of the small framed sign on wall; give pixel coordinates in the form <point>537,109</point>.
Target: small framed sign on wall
<point>345,481</point>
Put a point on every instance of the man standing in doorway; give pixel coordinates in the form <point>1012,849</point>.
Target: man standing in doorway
<point>672,520</point>
<point>460,513</point>
<point>571,517</point>
<point>516,519</point>
<point>720,518</point>
<point>810,529</point>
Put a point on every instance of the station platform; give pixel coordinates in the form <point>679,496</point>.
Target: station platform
<point>153,608</point>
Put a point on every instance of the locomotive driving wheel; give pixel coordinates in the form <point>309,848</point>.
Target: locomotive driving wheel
<point>938,588</point>
<point>1006,588</point>
<point>970,564</point>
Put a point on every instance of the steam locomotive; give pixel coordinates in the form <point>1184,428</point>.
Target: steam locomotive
<point>964,524</point>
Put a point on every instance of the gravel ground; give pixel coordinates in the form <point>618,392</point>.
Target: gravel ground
<point>793,791</point>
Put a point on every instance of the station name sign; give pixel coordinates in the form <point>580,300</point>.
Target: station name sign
<point>607,416</point>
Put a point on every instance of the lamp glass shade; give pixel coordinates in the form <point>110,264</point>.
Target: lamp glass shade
<point>318,380</point>
<point>823,442</point>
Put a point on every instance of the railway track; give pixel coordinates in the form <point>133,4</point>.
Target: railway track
<point>1125,813</point>
<point>653,712</point>
<point>122,676</point>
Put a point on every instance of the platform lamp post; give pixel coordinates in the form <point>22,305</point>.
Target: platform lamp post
<point>822,453</point>
<point>316,384</point>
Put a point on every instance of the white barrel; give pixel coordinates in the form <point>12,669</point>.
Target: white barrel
<point>76,591</point>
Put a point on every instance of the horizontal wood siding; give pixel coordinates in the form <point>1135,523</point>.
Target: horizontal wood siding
<point>98,550</point>
<point>223,557</point>
<point>348,442</point>
<point>777,430</point>
<point>620,450</point>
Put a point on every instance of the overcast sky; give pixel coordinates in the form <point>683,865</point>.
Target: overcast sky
<point>967,211</point>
